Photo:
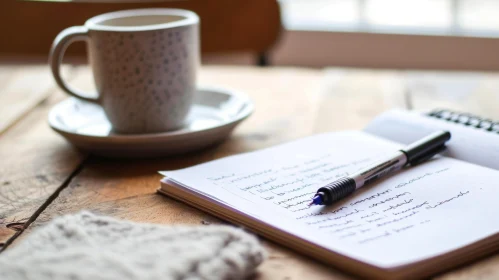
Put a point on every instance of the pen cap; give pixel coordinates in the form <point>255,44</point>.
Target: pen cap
<point>426,147</point>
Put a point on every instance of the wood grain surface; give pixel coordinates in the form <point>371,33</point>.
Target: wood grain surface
<point>290,103</point>
<point>35,162</point>
<point>22,88</point>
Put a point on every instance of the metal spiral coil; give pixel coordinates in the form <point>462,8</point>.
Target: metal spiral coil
<point>465,119</point>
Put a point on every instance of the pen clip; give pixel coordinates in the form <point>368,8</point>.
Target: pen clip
<point>428,155</point>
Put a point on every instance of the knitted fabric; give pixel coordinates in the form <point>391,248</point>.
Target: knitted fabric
<point>87,246</point>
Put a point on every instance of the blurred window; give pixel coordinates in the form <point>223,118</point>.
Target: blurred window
<point>477,18</point>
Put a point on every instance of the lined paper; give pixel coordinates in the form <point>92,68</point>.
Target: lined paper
<point>417,213</point>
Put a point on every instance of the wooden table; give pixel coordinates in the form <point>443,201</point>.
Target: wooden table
<point>42,176</point>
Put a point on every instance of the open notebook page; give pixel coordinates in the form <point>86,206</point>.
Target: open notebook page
<point>423,211</point>
<point>468,143</point>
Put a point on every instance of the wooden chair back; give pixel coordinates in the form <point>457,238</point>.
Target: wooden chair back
<point>29,27</point>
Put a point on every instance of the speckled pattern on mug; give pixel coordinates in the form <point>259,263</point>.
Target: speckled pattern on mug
<point>146,79</point>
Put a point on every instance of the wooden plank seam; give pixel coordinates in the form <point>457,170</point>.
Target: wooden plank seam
<point>408,99</point>
<point>20,227</point>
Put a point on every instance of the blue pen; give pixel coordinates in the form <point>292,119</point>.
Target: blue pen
<point>413,154</point>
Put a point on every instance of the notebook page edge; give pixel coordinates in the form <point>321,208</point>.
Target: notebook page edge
<point>423,268</point>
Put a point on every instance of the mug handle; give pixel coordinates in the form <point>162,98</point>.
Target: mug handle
<point>61,43</point>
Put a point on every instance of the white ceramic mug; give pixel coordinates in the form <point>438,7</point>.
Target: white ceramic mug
<point>144,64</point>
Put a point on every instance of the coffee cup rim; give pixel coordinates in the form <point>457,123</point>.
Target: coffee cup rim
<point>190,18</point>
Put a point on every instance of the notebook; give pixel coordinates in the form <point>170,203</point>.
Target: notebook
<point>415,223</point>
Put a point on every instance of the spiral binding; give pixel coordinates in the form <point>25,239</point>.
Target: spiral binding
<point>466,119</point>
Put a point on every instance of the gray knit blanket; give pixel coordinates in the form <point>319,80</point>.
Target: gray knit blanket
<point>87,246</point>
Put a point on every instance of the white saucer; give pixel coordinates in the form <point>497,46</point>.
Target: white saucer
<point>215,113</point>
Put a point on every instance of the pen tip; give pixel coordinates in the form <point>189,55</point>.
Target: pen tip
<point>316,200</point>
